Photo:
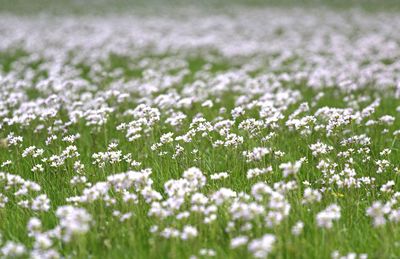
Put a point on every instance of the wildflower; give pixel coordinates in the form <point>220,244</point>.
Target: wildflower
<point>239,241</point>
<point>297,229</point>
<point>11,249</point>
<point>378,211</point>
<point>326,217</point>
<point>260,248</point>
<point>290,168</point>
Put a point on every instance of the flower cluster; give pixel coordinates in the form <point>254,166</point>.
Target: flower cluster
<point>196,135</point>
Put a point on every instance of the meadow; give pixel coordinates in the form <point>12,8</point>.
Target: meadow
<point>244,132</point>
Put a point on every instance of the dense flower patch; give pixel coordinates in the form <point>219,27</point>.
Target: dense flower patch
<point>255,133</point>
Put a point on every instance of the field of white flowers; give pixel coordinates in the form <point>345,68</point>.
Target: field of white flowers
<point>255,133</point>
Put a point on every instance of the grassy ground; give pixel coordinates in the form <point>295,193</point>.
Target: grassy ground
<point>109,238</point>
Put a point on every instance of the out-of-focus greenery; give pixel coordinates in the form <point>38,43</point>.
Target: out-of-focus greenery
<point>106,6</point>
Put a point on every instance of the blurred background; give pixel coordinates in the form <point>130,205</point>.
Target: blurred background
<point>59,7</point>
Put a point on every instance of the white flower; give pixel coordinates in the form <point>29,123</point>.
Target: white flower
<point>73,221</point>
<point>188,232</point>
<point>378,211</point>
<point>297,229</point>
<point>290,168</point>
<point>218,176</point>
<point>12,249</point>
<point>260,248</point>
<point>326,217</point>
<point>254,172</point>
<point>239,241</point>
<point>311,196</point>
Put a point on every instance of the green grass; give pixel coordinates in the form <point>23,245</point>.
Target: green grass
<point>111,239</point>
